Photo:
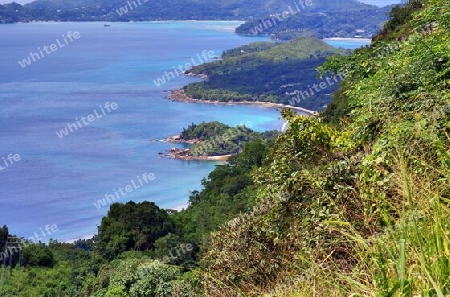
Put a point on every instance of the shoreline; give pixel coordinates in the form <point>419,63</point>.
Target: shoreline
<point>184,153</point>
<point>180,96</point>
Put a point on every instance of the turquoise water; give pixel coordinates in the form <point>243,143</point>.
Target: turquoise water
<point>58,180</point>
<point>348,44</point>
<point>381,2</point>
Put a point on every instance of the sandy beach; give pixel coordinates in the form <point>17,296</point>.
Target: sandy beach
<point>185,154</point>
<point>180,96</point>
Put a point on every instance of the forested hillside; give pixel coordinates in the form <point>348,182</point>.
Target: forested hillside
<point>363,23</point>
<point>268,72</point>
<point>354,202</point>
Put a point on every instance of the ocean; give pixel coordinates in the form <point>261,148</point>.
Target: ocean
<point>77,117</point>
<point>381,3</point>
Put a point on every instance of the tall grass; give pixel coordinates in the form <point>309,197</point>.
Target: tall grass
<point>410,258</point>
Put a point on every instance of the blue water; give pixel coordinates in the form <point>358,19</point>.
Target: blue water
<point>57,181</point>
<point>348,44</point>
<point>381,2</point>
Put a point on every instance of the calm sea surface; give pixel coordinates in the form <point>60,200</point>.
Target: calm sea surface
<point>58,180</point>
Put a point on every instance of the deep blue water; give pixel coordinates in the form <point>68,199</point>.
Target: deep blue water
<point>57,181</point>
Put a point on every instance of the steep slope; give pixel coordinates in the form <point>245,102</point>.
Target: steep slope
<point>361,208</point>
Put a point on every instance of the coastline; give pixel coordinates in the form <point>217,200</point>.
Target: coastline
<point>180,96</point>
<point>184,153</point>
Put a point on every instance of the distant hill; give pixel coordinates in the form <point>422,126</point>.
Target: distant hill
<point>364,23</point>
<point>138,10</point>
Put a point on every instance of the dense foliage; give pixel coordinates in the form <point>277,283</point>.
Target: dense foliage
<point>361,210</point>
<point>228,191</point>
<point>399,25</point>
<point>132,226</point>
<point>354,202</point>
<point>364,60</point>
<point>267,73</point>
<point>217,139</point>
<point>203,131</point>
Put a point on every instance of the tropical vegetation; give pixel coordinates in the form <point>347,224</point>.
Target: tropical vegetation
<point>267,72</point>
<point>217,139</point>
<point>353,202</point>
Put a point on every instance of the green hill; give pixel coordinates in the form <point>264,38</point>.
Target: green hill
<point>365,22</point>
<point>267,72</point>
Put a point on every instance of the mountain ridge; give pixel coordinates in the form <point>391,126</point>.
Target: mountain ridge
<point>142,10</point>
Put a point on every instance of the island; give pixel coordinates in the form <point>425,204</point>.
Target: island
<point>214,141</point>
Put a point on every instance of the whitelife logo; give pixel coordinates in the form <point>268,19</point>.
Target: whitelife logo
<point>317,87</point>
<point>169,75</point>
<point>90,118</point>
<point>49,49</point>
<point>124,9</point>
<point>10,160</point>
<point>270,22</point>
<point>50,229</point>
<point>109,198</point>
